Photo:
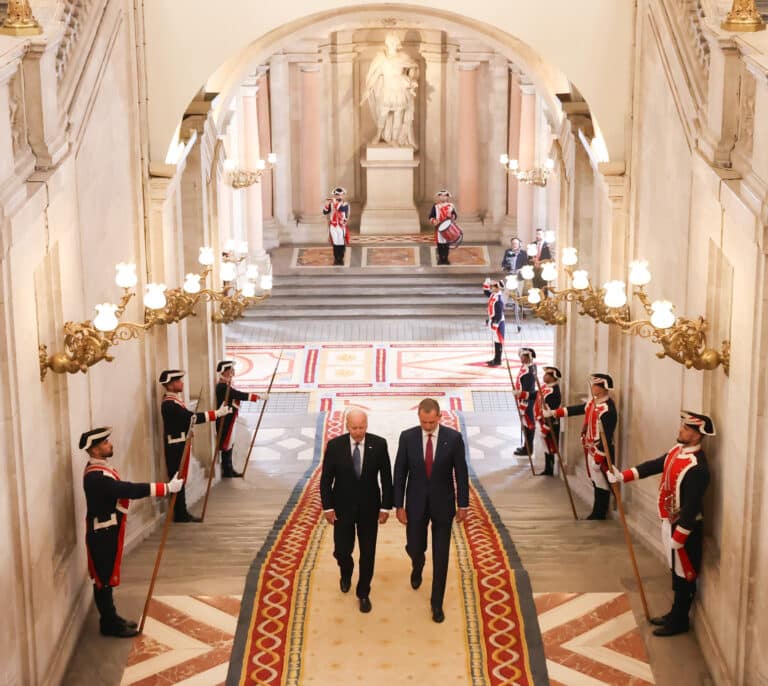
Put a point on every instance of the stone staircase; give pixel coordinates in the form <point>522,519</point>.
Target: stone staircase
<point>328,294</point>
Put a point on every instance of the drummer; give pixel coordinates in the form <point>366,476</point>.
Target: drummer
<point>336,209</point>
<point>442,211</point>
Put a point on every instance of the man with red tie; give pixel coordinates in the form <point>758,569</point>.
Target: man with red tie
<point>429,456</point>
<point>225,425</point>
<point>107,498</point>
<point>543,254</point>
<point>684,478</point>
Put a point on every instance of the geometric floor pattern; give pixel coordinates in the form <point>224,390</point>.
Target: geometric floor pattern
<point>186,640</point>
<point>590,639</point>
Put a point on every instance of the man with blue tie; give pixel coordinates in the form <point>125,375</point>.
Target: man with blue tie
<point>352,498</point>
<point>428,458</point>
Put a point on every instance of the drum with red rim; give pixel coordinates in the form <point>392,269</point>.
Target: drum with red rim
<point>451,232</point>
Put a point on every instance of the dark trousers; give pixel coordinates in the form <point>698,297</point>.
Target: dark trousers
<point>367,527</point>
<point>416,546</point>
<point>172,464</point>
<point>106,606</point>
<point>442,253</point>
<point>226,463</point>
<point>338,254</point>
<point>685,592</point>
<point>498,348</point>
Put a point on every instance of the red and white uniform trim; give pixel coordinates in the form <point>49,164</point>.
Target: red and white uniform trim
<point>545,389</point>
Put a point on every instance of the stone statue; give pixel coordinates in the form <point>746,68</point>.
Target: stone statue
<point>390,89</point>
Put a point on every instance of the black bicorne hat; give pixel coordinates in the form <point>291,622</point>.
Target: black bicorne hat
<point>224,365</point>
<point>603,380</point>
<point>169,375</point>
<point>94,437</point>
<point>701,422</point>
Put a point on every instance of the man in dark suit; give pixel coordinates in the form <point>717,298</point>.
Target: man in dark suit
<point>514,257</point>
<point>352,498</point>
<point>542,254</point>
<point>428,457</point>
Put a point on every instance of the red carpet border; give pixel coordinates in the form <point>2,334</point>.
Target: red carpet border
<point>502,632</point>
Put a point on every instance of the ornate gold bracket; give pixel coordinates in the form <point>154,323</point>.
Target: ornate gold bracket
<point>19,20</point>
<point>744,17</point>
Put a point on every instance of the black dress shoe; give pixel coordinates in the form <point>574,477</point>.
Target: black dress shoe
<point>187,518</point>
<point>438,616</point>
<point>231,475</point>
<point>127,622</point>
<point>493,363</point>
<point>544,473</point>
<point>118,630</point>
<point>659,621</point>
<point>670,630</point>
<point>521,451</point>
<point>345,583</point>
<point>415,579</point>
<point>365,604</point>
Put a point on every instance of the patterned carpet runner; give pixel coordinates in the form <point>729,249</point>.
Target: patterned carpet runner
<point>495,606</point>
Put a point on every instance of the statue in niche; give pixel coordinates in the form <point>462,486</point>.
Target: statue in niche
<point>390,89</point>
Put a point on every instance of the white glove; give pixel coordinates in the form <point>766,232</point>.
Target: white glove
<point>223,410</point>
<point>547,412</point>
<point>175,484</point>
<point>516,392</point>
<point>614,476</point>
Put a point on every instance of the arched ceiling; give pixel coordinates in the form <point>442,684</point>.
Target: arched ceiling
<point>586,42</point>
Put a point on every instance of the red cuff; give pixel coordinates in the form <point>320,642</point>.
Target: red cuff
<point>680,535</point>
<point>628,475</point>
<point>211,414</point>
<point>158,489</point>
<point>253,397</point>
<point>561,412</point>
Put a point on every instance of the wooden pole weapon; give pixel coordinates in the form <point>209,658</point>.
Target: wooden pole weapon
<point>520,414</point>
<point>548,422</point>
<point>627,537</point>
<point>168,517</point>
<point>261,414</point>
<point>217,447</point>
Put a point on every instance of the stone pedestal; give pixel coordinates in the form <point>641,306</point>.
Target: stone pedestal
<point>389,206</point>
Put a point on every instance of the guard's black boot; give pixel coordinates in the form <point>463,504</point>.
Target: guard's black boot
<point>110,624</point>
<point>496,361</point>
<point>549,465</point>
<point>600,507</point>
<point>227,470</point>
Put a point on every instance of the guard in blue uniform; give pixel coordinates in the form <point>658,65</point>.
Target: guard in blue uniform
<point>684,479</point>
<point>225,427</point>
<point>107,499</point>
<point>176,422</point>
<point>525,396</point>
<point>496,320</point>
<point>550,398</point>
<point>599,410</point>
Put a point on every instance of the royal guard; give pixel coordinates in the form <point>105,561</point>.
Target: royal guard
<point>496,320</point>
<point>176,423</point>
<point>107,499</point>
<point>684,478</point>
<point>600,408</point>
<point>549,397</point>
<point>442,210</point>
<point>525,396</point>
<point>336,208</point>
<point>226,425</point>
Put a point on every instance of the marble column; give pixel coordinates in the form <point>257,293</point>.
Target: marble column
<point>496,201</point>
<point>279,101</point>
<point>468,155</point>
<point>265,144</point>
<point>250,154</point>
<point>526,159</point>
<point>438,107</point>
<point>513,148</point>
<point>311,192</point>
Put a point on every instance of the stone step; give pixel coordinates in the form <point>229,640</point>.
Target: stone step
<point>447,311</point>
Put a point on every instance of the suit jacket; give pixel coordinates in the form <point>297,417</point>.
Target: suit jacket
<point>342,491</point>
<point>435,496</point>
<point>513,263</point>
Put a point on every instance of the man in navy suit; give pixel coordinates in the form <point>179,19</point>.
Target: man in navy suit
<point>428,458</point>
<point>349,489</point>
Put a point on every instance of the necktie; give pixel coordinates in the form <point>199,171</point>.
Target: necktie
<point>429,456</point>
<point>357,463</point>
